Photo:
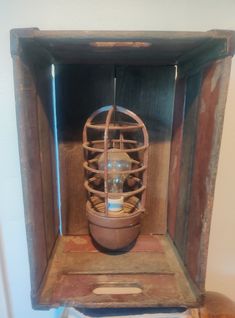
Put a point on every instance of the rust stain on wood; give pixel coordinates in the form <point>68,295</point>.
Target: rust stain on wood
<point>204,171</point>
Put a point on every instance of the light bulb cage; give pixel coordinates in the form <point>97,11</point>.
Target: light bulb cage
<point>94,147</point>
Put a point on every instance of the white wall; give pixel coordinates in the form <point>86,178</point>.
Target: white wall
<point>105,15</point>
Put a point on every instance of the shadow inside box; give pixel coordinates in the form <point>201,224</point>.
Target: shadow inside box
<point>164,312</point>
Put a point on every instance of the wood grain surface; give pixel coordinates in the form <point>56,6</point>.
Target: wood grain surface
<point>73,275</point>
<point>29,149</point>
<point>81,90</point>
<point>149,92</point>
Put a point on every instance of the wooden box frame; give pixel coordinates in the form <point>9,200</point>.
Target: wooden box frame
<point>186,149</point>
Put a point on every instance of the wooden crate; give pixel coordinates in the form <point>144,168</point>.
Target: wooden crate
<point>177,83</point>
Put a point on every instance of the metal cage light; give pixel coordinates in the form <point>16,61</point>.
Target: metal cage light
<point>115,142</point>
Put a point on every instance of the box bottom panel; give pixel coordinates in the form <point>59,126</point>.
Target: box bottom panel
<point>147,275</point>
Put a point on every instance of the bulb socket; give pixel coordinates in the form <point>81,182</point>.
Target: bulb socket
<point>115,205</point>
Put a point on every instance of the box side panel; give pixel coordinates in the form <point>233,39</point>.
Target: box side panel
<point>187,159</point>
<point>195,152</point>
<point>212,102</point>
<point>176,152</point>
<point>33,94</point>
<point>43,79</point>
<point>81,89</point>
<point>135,47</point>
<point>26,109</point>
<point>149,92</point>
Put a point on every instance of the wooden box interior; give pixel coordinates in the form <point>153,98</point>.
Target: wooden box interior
<point>177,83</point>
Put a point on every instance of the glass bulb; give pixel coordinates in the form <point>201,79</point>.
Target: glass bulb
<point>117,162</point>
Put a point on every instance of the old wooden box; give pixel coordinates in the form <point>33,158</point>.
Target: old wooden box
<point>177,83</point>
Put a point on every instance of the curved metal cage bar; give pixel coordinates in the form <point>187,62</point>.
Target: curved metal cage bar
<point>93,148</point>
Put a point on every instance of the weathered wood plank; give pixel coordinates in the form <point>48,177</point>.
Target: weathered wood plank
<point>81,89</point>
<point>47,153</point>
<point>73,194</point>
<point>209,130</point>
<point>157,272</point>
<point>187,160</point>
<point>175,157</point>
<point>191,62</point>
<point>150,294</point>
<point>29,148</point>
<point>163,47</point>
<point>149,92</point>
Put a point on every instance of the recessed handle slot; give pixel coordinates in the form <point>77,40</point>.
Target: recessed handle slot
<point>133,44</point>
<point>117,290</point>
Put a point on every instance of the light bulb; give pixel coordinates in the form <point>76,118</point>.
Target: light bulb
<point>117,162</point>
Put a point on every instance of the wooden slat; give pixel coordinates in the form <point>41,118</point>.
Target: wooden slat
<point>82,294</point>
<point>149,91</point>
<point>209,130</point>
<point>26,109</point>
<point>81,89</point>
<point>73,194</point>
<point>47,153</point>
<point>163,47</point>
<point>126,263</point>
<point>187,160</point>
<point>176,152</point>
